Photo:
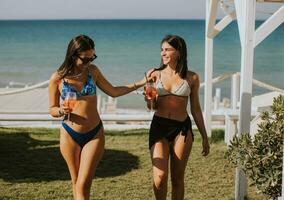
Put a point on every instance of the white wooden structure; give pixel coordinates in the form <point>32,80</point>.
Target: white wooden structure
<point>249,38</point>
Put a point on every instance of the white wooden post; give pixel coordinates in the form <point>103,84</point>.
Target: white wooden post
<point>208,73</point>
<point>212,29</point>
<point>246,22</point>
<point>217,98</point>
<point>235,90</point>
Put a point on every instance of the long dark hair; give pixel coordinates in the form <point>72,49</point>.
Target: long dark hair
<point>77,45</point>
<point>179,44</point>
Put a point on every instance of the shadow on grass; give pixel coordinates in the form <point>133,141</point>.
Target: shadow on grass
<point>25,159</point>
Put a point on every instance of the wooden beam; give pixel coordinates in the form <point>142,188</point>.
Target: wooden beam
<point>211,17</point>
<point>214,29</point>
<point>240,19</point>
<point>270,1</point>
<point>269,26</point>
<point>223,23</point>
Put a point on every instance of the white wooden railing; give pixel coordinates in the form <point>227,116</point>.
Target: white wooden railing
<point>220,115</point>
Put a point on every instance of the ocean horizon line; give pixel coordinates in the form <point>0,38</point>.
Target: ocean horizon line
<point>107,19</point>
<point>116,19</point>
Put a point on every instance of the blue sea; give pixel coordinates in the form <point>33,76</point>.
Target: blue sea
<point>31,50</point>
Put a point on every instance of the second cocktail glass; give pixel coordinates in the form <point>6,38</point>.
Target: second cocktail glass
<point>70,101</point>
<point>151,93</point>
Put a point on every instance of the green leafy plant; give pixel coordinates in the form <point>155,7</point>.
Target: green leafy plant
<point>261,157</point>
<point>217,136</point>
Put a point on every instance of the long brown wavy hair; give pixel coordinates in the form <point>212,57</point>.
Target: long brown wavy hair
<point>77,45</point>
<point>178,44</point>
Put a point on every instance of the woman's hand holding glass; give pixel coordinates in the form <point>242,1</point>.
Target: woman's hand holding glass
<point>150,93</point>
<point>69,103</point>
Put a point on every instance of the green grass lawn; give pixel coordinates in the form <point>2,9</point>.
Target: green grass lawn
<point>31,167</point>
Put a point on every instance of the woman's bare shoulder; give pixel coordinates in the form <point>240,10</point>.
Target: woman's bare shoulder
<point>192,75</point>
<point>55,77</point>
<point>94,70</point>
<point>192,78</point>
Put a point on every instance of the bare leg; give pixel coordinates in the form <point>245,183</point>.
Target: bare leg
<point>179,158</point>
<point>70,151</point>
<point>160,158</point>
<point>91,155</point>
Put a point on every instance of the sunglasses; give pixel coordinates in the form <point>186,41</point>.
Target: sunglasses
<point>88,60</point>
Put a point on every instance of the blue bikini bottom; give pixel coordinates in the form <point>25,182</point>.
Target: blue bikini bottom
<point>82,138</point>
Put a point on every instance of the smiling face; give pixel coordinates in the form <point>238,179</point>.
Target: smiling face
<point>174,54</point>
<point>169,54</point>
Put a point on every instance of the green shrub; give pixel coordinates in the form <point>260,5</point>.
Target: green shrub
<point>261,157</point>
<point>217,136</point>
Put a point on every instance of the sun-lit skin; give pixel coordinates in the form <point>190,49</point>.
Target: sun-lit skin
<point>172,155</point>
<point>169,55</point>
<point>171,106</point>
<point>84,117</point>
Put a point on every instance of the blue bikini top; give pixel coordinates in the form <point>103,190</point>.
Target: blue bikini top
<point>183,90</point>
<point>88,89</point>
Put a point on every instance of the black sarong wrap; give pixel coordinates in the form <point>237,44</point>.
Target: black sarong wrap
<point>162,127</point>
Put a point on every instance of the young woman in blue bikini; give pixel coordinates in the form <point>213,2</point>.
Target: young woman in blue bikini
<point>82,136</point>
<point>170,135</point>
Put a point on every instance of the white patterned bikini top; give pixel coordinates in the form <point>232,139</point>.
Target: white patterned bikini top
<point>183,90</point>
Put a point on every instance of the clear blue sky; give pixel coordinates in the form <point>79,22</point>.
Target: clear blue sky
<point>109,9</point>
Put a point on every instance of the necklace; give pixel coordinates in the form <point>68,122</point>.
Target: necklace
<point>78,75</point>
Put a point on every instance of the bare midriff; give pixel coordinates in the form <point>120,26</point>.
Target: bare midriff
<point>172,107</point>
<point>85,115</point>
